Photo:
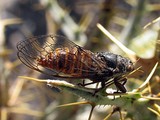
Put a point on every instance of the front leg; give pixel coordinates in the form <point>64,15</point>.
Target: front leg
<point>99,89</point>
<point>119,85</point>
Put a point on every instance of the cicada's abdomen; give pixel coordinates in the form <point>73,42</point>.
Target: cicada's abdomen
<point>67,61</point>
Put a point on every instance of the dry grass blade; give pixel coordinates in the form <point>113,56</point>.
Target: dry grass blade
<point>130,53</point>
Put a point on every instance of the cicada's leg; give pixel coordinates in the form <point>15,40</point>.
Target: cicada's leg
<point>120,85</point>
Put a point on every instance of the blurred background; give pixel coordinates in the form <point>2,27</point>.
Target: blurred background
<point>76,20</point>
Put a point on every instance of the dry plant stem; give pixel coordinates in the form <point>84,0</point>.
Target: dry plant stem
<point>91,112</point>
<point>124,101</point>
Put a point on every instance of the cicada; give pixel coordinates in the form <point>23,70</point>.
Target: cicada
<point>59,57</point>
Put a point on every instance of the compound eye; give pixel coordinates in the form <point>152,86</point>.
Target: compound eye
<point>111,61</point>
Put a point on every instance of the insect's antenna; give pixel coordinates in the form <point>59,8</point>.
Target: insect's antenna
<point>137,69</point>
<point>140,70</point>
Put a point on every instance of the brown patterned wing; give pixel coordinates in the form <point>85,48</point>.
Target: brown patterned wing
<point>34,48</point>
